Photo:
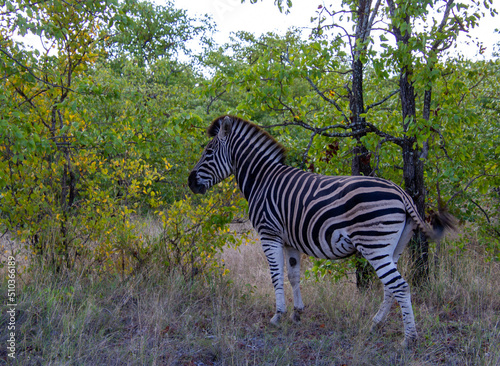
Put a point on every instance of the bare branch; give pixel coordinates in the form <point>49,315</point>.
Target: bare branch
<point>213,99</point>
<point>323,131</point>
<point>482,210</point>
<point>444,21</point>
<point>397,140</point>
<point>467,186</point>
<point>383,100</point>
<point>331,101</point>
<point>30,102</point>
<point>486,215</point>
<point>443,143</point>
<point>334,25</point>
<point>377,156</point>
<point>306,152</point>
<point>374,13</point>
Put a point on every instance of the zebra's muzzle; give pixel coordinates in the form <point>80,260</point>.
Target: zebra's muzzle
<point>196,187</point>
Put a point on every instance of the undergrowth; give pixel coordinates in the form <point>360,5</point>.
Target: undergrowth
<point>157,317</point>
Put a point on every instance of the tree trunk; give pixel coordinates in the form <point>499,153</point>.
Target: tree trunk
<point>413,166</point>
<point>360,164</point>
<point>413,175</point>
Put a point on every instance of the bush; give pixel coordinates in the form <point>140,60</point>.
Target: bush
<point>194,234</point>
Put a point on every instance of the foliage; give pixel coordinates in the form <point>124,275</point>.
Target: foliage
<point>85,144</point>
<point>465,173</point>
<point>271,76</point>
<point>193,236</point>
<point>146,33</point>
<point>186,237</point>
<point>42,126</point>
<point>102,120</point>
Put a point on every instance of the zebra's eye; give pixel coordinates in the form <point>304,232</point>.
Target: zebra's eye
<point>209,151</point>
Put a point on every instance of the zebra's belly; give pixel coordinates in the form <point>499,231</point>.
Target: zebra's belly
<point>339,246</point>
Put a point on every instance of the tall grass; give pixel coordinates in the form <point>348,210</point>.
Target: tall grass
<point>159,318</point>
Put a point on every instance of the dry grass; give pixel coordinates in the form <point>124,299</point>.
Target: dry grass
<point>155,319</point>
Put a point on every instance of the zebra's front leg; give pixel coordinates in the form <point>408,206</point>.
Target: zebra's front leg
<point>273,249</point>
<point>293,269</point>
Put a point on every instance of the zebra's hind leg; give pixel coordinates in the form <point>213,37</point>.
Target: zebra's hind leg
<point>273,249</point>
<point>395,284</point>
<point>293,268</point>
<point>385,307</point>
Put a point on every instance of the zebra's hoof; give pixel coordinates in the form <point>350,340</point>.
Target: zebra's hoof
<point>295,316</point>
<point>376,328</point>
<point>409,343</point>
<point>276,319</point>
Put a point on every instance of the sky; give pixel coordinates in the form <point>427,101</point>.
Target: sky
<point>264,16</point>
<point>232,15</point>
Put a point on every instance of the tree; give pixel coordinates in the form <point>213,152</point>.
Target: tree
<point>41,122</point>
<point>146,33</point>
<point>363,16</point>
<point>414,56</point>
<point>87,141</point>
<point>417,54</point>
<point>464,171</point>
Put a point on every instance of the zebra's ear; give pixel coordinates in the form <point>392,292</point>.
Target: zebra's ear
<point>225,127</point>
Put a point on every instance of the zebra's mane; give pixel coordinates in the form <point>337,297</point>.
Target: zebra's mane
<point>214,127</point>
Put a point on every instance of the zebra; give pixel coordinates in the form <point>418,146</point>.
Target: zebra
<point>328,217</point>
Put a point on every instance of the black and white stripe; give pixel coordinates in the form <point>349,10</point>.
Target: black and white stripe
<point>323,216</point>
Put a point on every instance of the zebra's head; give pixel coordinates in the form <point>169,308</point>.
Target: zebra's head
<point>215,163</point>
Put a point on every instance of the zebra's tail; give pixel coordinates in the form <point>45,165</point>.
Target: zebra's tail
<point>441,221</point>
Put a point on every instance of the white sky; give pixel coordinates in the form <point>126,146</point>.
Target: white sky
<point>231,16</point>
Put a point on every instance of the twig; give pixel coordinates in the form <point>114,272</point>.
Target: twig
<point>30,71</point>
<point>325,98</point>
<point>467,186</point>
<point>383,100</point>
<point>482,210</point>
<point>306,152</point>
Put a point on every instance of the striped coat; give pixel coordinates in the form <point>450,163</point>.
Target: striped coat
<point>323,216</point>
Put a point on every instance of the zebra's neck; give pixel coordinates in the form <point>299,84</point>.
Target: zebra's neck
<point>253,153</point>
